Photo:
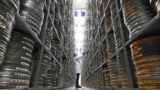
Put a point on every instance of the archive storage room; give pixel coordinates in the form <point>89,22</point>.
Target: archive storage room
<point>121,44</point>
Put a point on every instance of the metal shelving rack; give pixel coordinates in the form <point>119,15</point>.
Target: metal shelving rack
<point>94,67</point>
<point>63,48</point>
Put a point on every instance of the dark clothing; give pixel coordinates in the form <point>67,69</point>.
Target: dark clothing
<point>77,80</point>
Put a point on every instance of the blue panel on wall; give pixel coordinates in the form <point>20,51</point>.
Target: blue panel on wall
<point>82,14</point>
<point>75,13</point>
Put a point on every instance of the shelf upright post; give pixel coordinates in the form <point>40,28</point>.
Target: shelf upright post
<point>101,69</point>
<point>60,80</point>
<point>41,48</point>
<point>127,56</point>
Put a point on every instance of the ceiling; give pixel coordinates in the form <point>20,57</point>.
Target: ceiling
<point>79,4</point>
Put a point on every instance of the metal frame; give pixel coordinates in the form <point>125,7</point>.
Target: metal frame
<point>41,48</point>
<point>22,26</point>
<point>151,28</point>
<point>128,61</point>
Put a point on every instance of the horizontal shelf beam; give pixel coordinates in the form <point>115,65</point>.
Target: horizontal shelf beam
<point>103,17</point>
<point>148,30</point>
<point>22,26</point>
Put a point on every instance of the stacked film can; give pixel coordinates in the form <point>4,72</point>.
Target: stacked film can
<point>146,56</point>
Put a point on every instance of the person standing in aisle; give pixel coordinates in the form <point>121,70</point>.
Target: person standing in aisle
<point>78,68</point>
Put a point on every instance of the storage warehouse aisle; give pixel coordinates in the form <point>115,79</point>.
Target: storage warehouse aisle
<point>37,45</point>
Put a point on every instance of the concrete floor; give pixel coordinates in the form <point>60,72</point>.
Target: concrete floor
<point>83,88</point>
